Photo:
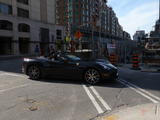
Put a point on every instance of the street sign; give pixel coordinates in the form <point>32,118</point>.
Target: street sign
<point>78,35</point>
<point>68,38</point>
<point>113,46</point>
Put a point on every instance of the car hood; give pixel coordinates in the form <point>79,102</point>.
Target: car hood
<point>106,63</point>
<point>42,58</point>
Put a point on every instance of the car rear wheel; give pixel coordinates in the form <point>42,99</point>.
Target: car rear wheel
<point>92,76</point>
<point>34,72</point>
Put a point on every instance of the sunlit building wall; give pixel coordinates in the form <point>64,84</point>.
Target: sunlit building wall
<point>25,24</point>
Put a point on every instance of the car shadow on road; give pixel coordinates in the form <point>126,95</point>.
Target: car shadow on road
<point>111,84</point>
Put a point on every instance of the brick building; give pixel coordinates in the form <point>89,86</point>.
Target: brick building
<point>91,17</point>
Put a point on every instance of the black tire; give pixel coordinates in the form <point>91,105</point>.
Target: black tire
<point>34,72</point>
<point>92,76</point>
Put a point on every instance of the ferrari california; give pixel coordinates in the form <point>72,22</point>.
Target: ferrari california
<point>69,66</point>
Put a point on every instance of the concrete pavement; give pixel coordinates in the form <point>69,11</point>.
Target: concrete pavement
<point>48,99</point>
<point>140,112</point>
<point>147,80</point>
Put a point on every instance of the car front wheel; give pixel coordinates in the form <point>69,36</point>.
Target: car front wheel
<point>34,72</point>
<point>92,76</point>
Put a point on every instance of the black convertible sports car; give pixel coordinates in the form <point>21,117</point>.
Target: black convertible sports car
<point>69,66</point>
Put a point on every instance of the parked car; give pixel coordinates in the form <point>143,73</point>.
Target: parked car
<point>71,67</point>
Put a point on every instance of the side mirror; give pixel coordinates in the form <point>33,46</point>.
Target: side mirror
<point>64,60</point>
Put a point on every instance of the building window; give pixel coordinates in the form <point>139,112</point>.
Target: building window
<point>24,45</point>
<point>23,28</point>
<point>44,35</point>
<point>5,9</point>
<point>53,38</point>
<point>6,25</point>
<point>23,1</point>
<point>22,13</point>
<point>59,34</point>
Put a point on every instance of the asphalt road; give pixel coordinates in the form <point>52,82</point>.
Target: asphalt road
<point>53,99</point>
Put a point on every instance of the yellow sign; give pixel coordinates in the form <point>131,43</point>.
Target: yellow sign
<point>68,39</point>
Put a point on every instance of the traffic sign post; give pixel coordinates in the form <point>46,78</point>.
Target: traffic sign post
<point>78,35</point>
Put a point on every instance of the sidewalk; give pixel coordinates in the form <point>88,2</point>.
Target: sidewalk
<point>140,112</point>
<point>144,68</point>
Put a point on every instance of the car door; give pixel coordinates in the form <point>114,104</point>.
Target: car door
<point>56,68</point>
<point>71,70</point>
<point>62,69</point>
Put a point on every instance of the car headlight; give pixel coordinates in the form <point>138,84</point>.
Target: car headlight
<point>26,59</point>
<point>104,66</point>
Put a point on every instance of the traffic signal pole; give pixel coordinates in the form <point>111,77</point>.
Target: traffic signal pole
<point>93,44</point>
<point>92,38</point>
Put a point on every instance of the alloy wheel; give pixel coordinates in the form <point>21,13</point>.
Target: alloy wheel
<point>34,72</point>
<point>92,76</point>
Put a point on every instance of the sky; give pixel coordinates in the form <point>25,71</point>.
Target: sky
<point>136,15</point>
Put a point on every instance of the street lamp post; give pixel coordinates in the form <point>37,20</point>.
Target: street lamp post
<point>159,10</point>
<point>93,47</point>
<point>101,8</point>
<point>100,25</point>
<point>92,19</point>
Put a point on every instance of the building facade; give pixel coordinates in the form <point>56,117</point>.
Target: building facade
<point>154,38</point>
<point>93,18</point>
<point>139,35</point>
<point>25,24</point>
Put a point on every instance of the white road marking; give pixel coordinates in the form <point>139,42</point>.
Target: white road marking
<point>97,106</point>
<point>136,89</point>
<point>9,89</point>
<point>100,98</point>
<point>144,91</point>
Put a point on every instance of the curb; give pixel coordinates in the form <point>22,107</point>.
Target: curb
<point>139,112</point>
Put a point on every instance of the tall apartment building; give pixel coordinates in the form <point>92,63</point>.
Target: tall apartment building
<point>139,35</point>
<point>79,15</point>
<point>91,17</point>
<point>24,24</point>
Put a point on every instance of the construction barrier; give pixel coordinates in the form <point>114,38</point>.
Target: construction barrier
<point>113,59</point>
<point>135,62</point>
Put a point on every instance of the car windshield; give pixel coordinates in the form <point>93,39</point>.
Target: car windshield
<point>73,58</point>
<point>104,60</point>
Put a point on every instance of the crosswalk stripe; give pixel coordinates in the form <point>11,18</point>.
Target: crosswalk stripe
<point>100,98</point>
<point>95,103</point>
<point>137,89</point>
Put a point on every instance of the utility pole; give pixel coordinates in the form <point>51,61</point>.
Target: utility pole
<point>159,10</point>
<point>101,9</point>
<point>69,27</point>
<point>92,23</point>
<point>93,53</point>
<point>100,25</point>
<point>68,23</point>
